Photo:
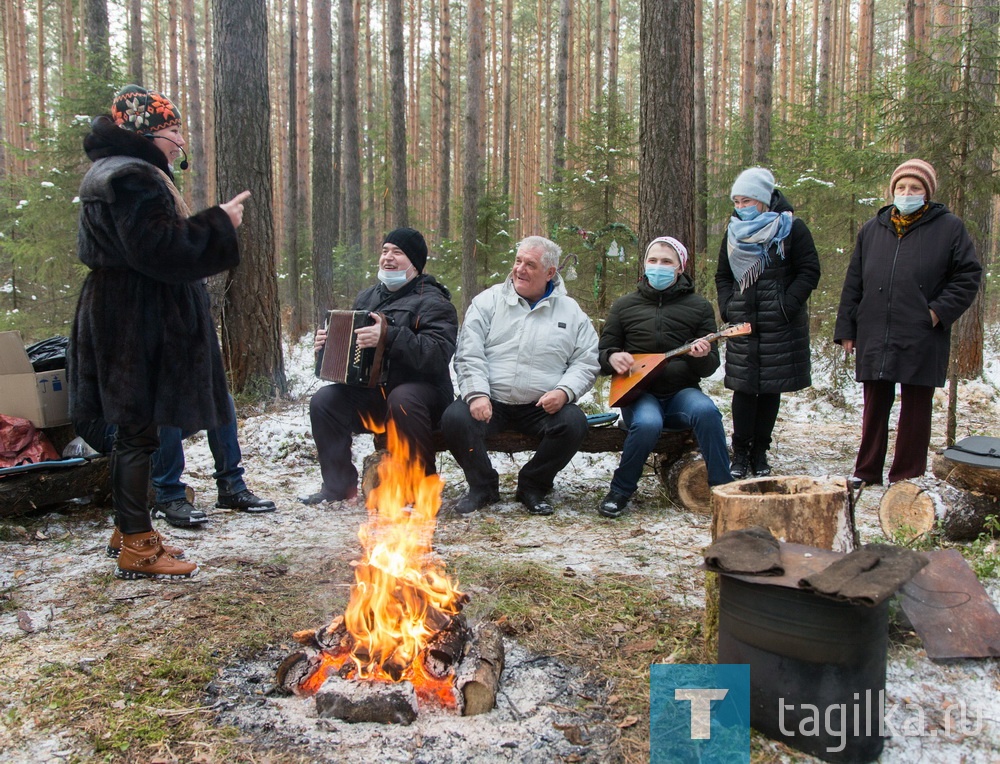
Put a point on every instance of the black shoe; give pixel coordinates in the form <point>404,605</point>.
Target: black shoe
<point>758,460</point>
<point>613,504</point>
<point>180,513</point>
<point>476,500</point>
<point>534,502</point>
<point>245,501</point>
<point>321,498</point>
<point>739,468</point>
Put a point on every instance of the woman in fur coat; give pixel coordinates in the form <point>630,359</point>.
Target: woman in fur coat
<point>143,349</point>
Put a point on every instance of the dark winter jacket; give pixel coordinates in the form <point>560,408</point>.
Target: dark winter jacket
<point>652,321</point>
<point>422,327</point>
<point>775,357</point>
<point>143,346</point>
<point>890,288</point>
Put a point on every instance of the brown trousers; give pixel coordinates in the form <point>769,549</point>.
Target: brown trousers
<point>913,434</point>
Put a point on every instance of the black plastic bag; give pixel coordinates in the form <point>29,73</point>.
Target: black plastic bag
<point>49,354</point>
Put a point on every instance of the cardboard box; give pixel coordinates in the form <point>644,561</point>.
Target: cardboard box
<point>42,397</point>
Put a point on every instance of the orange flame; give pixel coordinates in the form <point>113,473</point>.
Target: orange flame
<point>401,596</point>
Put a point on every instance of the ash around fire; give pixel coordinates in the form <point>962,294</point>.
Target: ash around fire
<point>545,712</point>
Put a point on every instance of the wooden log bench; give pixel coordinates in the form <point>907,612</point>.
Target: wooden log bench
<point>24,493</point>
<point>676,459</point>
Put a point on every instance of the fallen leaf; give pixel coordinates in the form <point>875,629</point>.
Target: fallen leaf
<point>639,628</point>
<point>569,572</point>
<point>612,699</point>
<point>24,621</point>
<point>628,721</point>
<point>640,647</point>
<point>618,628</point>
<point>573,734</point>
<point>19,573</point>
<point>41,536</point>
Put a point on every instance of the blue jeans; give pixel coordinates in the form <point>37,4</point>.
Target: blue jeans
<point>168,461</point>
<point>689,408</point>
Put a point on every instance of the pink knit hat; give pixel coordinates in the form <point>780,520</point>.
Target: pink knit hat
<point>681,250</point>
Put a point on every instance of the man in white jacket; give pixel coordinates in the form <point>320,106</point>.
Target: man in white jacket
<point>526,353</point>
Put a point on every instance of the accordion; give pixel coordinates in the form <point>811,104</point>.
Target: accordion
<point>343,361</point>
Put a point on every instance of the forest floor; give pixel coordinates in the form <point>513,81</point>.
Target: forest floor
<point>96,669</point>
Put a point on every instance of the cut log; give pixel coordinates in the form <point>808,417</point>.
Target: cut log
<point>446,647</point>
<point>686,481</point>
<point>966,476</point>
<point>478,676</point>
<point>803,510</point>
<point>295,669</point>
<point>912,508</point>
<point>20,494</point>
<point>366,701</point>
<point>799,509</point>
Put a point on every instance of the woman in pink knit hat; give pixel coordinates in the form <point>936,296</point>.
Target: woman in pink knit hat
<point>914,271</point>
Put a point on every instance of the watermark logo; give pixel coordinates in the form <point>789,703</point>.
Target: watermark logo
<point>699,713</point>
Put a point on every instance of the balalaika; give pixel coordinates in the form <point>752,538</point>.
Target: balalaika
<point>343,361</point>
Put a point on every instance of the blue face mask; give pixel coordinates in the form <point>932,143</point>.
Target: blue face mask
<point>660,277</point>
<point>393,280</point>
<point>747,213</point>
<point>907,205</point>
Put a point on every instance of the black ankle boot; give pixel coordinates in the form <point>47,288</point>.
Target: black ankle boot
<point>758,460</point>
<point>739,468</point>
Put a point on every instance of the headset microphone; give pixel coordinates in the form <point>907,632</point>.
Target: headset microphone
<point>184,162</point>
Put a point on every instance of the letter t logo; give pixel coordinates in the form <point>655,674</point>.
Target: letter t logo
<point>701,705</point>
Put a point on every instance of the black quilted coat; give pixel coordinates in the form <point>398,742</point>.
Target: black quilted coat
<point>890,288</point>
<point>652,321</point>
<point>143,346</point>
<point>775,357</point>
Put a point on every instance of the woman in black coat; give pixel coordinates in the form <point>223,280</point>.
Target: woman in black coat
<point>913,273</point>
<point>767,269</point>
<point>143,350</point>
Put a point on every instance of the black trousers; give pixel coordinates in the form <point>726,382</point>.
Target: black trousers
<point>561,435</point>
<point>754,416</point>
<point>130,465</point>
<point>337,412</point>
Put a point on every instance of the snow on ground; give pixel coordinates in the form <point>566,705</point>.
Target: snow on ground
<point>817,435</point>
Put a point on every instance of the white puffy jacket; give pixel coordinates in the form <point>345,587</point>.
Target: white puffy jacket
<point>515,354</point>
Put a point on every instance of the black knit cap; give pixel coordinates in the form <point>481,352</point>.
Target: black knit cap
<point>411,241</point>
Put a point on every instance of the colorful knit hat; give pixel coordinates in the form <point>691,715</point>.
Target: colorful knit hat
<point>915,168</point>
<point>143,111</point>
<point>671,242</point>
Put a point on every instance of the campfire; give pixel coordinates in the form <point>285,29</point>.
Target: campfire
<point>402,642</point>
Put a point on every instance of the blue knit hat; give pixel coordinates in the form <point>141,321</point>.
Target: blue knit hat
<point>756,183</point>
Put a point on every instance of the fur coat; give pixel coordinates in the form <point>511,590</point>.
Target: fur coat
<point>143,346</point>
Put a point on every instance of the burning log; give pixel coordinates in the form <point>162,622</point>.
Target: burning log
<point>355,702</point>
<point>445,648</point>
<point>478,676</point>
<point>327,637</point>
<point>296,669</point>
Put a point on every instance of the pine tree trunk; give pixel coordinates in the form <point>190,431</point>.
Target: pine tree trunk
<point>98,48</point>
<point>195,122</point>
<point>292,182</point>
<point>351,149</point>
<point>444,200</point>
<point>559,128</point>
<point>763,83</point>
<point>397,89</point>
<point>324,206</point>
<point>472,175</point>
<point>251,327</point>
<point>666,122</point>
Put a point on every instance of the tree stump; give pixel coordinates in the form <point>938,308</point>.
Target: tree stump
<point>966,476</point>
<point>23,493</point>
<point>817,512</point>
<point>913,508</point>
<point>686,481</point>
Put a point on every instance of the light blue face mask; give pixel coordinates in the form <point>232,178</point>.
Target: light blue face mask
<point>660,277</point>
<point>393,280</point>
<point>907,205</point>
<point>747,213</point>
